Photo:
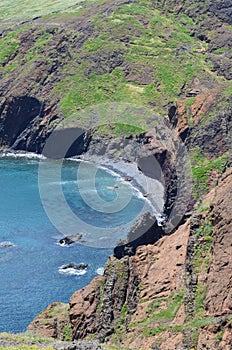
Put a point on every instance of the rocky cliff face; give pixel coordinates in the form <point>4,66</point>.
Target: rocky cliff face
<point>158,292</point>
<point>182,289</point>
<point>25,123</point>
<point>173,294</point>
<point>218,302</point>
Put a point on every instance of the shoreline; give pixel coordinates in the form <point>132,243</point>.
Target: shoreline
<point>151,190</point>
<point>118,168</point>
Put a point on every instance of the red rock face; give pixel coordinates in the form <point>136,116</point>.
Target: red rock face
<point>218,301</point>
<point>219,297</point>
<point>83,309</point>
<point>52,322</point>
<point>160,268</point>
<point>142,300</point>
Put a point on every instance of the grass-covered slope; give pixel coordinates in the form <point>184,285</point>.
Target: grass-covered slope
<point>27,9</point>
<point>83,53</point>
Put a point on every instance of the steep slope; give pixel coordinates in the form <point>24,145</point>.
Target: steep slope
<point>175,58</point>
<point>173,294</point>
<point>87,53</point>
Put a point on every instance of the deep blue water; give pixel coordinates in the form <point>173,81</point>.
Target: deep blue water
<point>29,276</point>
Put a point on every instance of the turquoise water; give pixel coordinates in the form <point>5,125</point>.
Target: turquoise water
<point>29,270</point>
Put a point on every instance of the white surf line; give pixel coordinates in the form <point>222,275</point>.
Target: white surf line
<point>151,190</point>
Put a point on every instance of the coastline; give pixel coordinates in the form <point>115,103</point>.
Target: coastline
<point>118,168</point>
<point>151,190</point>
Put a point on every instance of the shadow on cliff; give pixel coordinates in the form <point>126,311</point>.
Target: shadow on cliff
<point>16,115</point>
<point>144,231</point>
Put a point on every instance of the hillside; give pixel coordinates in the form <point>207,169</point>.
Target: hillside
<point>168,59</point>
<point>55,63</point>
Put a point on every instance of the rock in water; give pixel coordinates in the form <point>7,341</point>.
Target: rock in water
<point>6,245</point>
<point>75,266</point>
<point>73,269</point>
<point>68,240</point>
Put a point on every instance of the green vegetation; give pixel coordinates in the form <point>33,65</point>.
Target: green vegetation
<point>124,313</point>
<point>119,129</point>
<point>204,206</point>
<point>192,325</point>
<point>56,310</point>
<point>173,304</point>
<point>190,101</point>
<point>25,341</point>
<point>158,64</point>
<point>101,295</point>
<point>136,54</point>
<point>200,295</point>
<point>68,333</point>
<point>205,230</point>
<point>227,92</point>
<point>159,313</point>
<point>28,9</point>
<point>202,168</point>
<point>24,337</point>
<point>8,46</point>
<point>25,347</point>
<point>221,50</point>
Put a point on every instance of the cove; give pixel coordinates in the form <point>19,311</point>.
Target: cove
<point>30,258</point>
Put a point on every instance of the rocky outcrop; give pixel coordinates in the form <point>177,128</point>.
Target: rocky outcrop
<point>97,309</point>
<point>6,245</point>
<point>124,295</point>
<point>83,308</point>
<point>52,322</point>
<point>216,337</point>
<point>219,279</point>
<point>73,268</point>
<point>222,9</point>
<point>163,271</point>
<point>209,280</point>
<point>215,137</point>
<point>25,123</point>
<point>144,231</point>
<point>114,148</point>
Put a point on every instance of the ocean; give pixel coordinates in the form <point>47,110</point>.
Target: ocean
<point>33,218</point>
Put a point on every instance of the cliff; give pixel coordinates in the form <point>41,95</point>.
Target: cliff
<point>174,57</point>
<point>173,294</point>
